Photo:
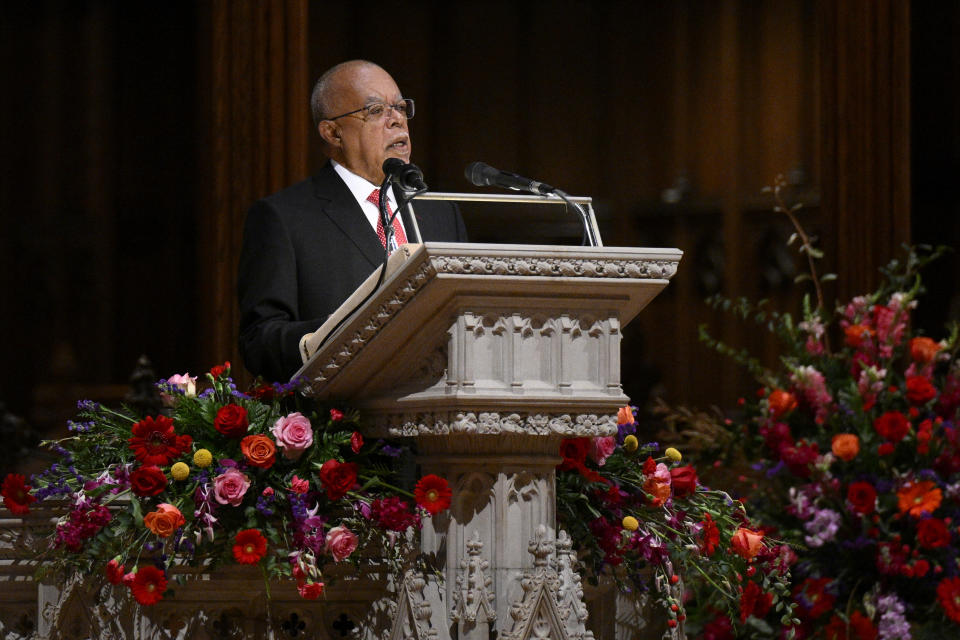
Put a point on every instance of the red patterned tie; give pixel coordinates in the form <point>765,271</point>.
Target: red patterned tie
<point>398,233</point>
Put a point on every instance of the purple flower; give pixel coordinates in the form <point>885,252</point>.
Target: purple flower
<point>624,430</point>
<point>393,452</point>
<point>893,624</point>
<point>822,528</point>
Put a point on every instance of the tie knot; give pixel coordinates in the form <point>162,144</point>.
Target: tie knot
<point>374,197</point>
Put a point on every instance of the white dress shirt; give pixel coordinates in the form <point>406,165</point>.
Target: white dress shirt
<point>361,188</point>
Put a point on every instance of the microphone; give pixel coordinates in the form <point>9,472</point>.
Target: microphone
<point>405,175</point>
<point>483,175</point>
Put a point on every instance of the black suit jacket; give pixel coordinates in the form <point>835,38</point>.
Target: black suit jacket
<point>305,250</point>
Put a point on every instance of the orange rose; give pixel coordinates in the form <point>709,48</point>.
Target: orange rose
<point>164,521</point>
<point>746,543</point>
<point>659,490</point>
<point>916,497</point>
<point>625,415</point>
<point>845,446</point>
<point>781,402</point>
<point>923,349</point>
<point>856,335</point>
<point>259,450</point>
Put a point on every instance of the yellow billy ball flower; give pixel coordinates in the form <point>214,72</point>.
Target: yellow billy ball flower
<point>673,454</point>
<point>630,443</point>
<point>202,458</point>
<point>180,471</point>
<point>630,523</point>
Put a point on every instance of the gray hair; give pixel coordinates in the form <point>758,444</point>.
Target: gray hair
<point>323,90</point>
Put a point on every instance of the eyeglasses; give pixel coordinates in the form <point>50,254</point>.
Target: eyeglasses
<point>377,110</point>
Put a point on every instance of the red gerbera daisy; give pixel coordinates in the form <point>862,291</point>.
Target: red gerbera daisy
<point>155,442</point>
<point>433,494</point>
<point>249,546</point>
<point>148,585</point>
<point>16,494</point>
<point>948,594</point>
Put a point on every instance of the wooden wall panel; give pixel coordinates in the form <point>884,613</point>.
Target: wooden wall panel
<point>865,67</point>
<point>254,94</point>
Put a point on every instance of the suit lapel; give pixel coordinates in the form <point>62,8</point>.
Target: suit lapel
<point>338,203</point>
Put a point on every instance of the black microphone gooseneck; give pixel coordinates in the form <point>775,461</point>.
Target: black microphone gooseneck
<point>409,180</point>
<point>483,175</point>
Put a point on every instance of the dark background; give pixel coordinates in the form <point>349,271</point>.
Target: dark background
<point>135,136</point>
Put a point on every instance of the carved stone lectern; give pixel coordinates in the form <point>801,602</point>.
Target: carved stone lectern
<point>490,355</point>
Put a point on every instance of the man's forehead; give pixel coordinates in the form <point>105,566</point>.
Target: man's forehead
<point>369,83</point>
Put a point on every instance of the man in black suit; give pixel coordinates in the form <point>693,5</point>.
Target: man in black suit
<point>308,247</point>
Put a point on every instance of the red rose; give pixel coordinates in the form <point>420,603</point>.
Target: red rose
<point>683,480</point>
<point>148,481</point>
<point>920,391</point>
<point>337,478</point>
<point>336,415</point>
<point>885,449</point>
<point>862,497</point>
<point>232,421</point>
<point>932,533</point>
<point>892,425</point>
<point>574,452</point>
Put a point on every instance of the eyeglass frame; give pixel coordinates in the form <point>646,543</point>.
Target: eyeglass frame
<point>408,111</point>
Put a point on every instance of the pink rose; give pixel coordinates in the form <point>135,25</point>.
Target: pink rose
<point>185,383</point>
<point>293,434</point>
<point>230,487</point>
<point>601,448</point>
<point>298,485</point>
<point>341,542</point>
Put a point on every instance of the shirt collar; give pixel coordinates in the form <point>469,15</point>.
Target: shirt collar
<point>359,186</point>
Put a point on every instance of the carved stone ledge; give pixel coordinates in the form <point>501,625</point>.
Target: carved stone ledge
<point>555,267</point>
<point>395,425</point>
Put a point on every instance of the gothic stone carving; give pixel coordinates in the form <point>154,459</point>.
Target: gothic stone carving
<point>492,423</point>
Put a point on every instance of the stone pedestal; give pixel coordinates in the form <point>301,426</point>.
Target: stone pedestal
<point>490,355</point>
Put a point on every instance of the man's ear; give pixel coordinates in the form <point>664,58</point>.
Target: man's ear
<point>330,132</point>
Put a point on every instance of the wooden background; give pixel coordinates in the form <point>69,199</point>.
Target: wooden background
<point>135,136</point>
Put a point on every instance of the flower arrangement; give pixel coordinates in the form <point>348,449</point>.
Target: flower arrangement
<point>265,478</point>
<point>646,521</point>
<point>262,478</point>
<point>851,453</point>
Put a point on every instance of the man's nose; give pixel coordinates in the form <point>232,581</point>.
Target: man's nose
<point>394,117</point>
